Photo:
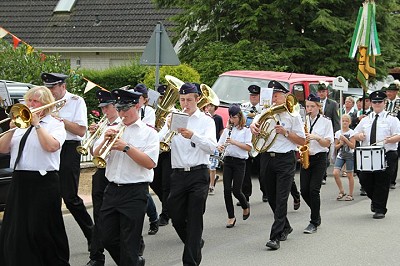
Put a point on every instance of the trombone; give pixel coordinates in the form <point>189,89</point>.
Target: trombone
<point>100,161</point>
<point>88,143</point>
<point>21,115</point>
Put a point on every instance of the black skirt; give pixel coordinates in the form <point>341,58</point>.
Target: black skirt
<point>33,231</point>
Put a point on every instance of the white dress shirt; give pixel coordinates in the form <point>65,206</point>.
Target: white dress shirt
<point>197,150</point>
<point>322,128</point>
<point>386,126</point>
<point>121,169</point>
<point>75,111</point>
<point>243,135</point>
<point>34,157</point>
<point>149,115</point>
<point>291,124</point>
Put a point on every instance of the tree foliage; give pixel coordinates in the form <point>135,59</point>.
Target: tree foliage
<point>305,36</point>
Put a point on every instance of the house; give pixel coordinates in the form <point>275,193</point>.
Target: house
<point>94,34</point>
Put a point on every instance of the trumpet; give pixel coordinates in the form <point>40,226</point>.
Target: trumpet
<point>21,115</point>
<point>100,161</point>
<point>88,143</point>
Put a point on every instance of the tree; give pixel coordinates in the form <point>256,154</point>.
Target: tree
<point>306,36</point>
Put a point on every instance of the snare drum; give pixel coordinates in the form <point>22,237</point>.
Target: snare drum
<point>370,158</point>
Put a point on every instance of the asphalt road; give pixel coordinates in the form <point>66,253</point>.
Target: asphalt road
<point>347,236</point>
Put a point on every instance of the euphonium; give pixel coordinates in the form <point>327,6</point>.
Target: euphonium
<point>100,161</point>
<point>168,101</point>
<point>261,141</point>
<point>305,149</point>
<point>88,143</point>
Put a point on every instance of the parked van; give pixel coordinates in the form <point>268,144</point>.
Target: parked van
<point>231,87</point>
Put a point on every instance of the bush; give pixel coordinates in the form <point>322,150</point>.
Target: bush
<point>183,72</point>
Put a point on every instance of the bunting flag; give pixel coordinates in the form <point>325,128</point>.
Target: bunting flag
<point>3,33</point>
<point>90,85</point>
<point>365,43</point>
<point>16,41</point>
<point>29,49</point>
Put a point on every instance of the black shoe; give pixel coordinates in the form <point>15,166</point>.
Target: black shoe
<point>310,229</point>
<point>296,204</point>
<point>273,244</point>
<point>362,192</point>
<point>163,220</point>
<point>246,216</point>
<point>378,215</point>
<point>285,233</point>
<point>228,225</point>
<point>95,263</point>
<point>264,198</point>
<point>372,208</point>
<point>141,261</point>
<point>153,228</point>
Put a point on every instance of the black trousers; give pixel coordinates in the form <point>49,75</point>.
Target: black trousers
<point>252,164</point>
<point>377,183</point>
<point>310,185</point>
<point>69,183</point>
<point>277,172</point>
<point>99,184</point>
<point>122,217</point>
<point>233,174</point>
<point>162,180</point>
<point>187,204</point>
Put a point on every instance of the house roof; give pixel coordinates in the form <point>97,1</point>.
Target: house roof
<point>91,23</point>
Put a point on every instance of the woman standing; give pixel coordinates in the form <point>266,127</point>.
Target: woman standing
<point>235,142</point>
<point>320,137</point>
<point>344,145</point>
<point>33,231</point>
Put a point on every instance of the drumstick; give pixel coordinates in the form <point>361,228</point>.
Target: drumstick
<point>373,144</point>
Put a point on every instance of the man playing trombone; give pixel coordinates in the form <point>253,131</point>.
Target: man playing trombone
<point>133,155</point>
<point>99,180</point>
<point>74,116</point>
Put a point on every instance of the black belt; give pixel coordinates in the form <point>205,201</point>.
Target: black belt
<point>233,158</point>
<point>319,154</point>
<point>72,141</point>
<point>189,169</point>
<point>128,184</point>
<point>279,154</point>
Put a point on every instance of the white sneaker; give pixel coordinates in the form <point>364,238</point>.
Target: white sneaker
<point>211,191</point>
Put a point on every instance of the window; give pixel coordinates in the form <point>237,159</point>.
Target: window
<point>64,6</point>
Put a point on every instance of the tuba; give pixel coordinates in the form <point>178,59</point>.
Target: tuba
<point>171,96</point>
<point>263,141</point>
<point>207,96</point>
<point>304,150</point>
<point>88,143</point>
<point>100,161</point>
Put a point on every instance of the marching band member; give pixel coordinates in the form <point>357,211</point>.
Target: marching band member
<point>250,110</point>
<point>392,107</point>
<point>99,180</point>
<point>74,116</point>
<point>147,113</point>
<point>235,143</point>
<point>129,171</point>
<point>376,183</point>
<point>320,137</point>
<point>190,152</point>
<point>33,231</point>
<point>278,165</point>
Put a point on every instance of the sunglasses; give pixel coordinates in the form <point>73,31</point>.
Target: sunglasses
<point>377,101</point>
<point>123,108</point>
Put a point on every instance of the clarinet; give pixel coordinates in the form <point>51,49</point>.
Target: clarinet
<point>222,155</point>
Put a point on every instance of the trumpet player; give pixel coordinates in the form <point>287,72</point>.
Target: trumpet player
<point>74,117</point>
<point>235,144</point>
<point>129,171</point>
<point>190,152</point>
<point>320,137</point>
<point>99,180</point>
<point>278,164</point>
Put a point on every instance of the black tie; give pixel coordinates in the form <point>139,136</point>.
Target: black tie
<point>21,146</point>
<point>390,106</point>
<point>372,139</point>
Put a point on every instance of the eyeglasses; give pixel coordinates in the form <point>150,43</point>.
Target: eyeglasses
<point>123,108</point>
<point>377,101</point>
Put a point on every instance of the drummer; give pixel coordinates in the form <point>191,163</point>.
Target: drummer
<point>376,183</point>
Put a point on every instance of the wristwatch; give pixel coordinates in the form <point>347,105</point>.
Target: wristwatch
<point>286,134</point>
<point>37,126</point>
<point>126,148</point>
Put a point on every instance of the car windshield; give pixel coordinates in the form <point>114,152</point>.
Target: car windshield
<point>232,89</point>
